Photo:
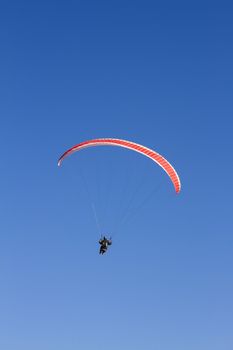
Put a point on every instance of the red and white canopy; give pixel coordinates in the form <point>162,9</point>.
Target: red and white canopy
<point>156,157</point>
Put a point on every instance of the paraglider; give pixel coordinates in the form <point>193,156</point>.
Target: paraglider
<point>156,157</point>
<point>104,243</point>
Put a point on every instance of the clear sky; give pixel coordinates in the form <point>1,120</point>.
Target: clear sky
<point>155,72</point>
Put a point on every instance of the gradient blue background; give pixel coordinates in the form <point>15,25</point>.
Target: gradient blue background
<point>158,73</point>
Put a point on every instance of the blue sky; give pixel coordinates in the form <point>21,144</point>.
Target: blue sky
<point>157,73</point>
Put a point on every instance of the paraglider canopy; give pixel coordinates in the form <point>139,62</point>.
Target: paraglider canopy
<point>156,157</point>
